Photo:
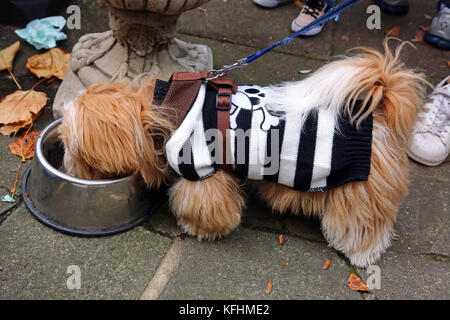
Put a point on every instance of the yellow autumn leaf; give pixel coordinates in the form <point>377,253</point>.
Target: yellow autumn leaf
<point>19,109</point>
<point>53,63</point>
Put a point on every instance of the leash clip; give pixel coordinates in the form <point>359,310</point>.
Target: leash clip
<point>226,68</point>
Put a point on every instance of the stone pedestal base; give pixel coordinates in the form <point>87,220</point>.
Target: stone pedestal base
<point>100,57</point>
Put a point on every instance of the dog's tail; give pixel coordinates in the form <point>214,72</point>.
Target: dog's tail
<point>382,81</point>
<point>378,79</point>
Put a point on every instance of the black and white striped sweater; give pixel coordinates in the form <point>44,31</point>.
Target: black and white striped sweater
<point>311,155</point>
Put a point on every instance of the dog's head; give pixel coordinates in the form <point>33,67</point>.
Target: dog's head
<point>113,130</point>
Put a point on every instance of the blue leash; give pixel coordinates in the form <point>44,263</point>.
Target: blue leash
<point>332,13</point>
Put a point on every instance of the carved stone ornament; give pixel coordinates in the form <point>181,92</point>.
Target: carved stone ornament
<point>141,39</point>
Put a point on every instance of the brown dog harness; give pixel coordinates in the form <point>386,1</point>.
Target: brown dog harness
<point>183,91</point>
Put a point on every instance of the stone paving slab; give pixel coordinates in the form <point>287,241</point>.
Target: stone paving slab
<point>273,69</point>
<point>424,57</point>
<point>8,167</point>
<point>423,218</point>
<point>405,277</point>
<point>441,244</point>
<point>240,266</point>
<point>34,261</point>
<point>164,222</point>
<point>244,23</point>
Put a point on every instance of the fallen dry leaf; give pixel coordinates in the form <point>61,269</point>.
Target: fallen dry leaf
<point>286,264</point>
<point>281,239</point>
<point>393,32</point>
<point>24,145</point>
<point>269,286</point>
<point>24,148</point>
<point>424,29</point>
<point>7,56</point>
<point>355,283</point>
<point>53,63</point>
<point>427,16</point>
<point>345,38</point>
<point>19,109</point>
<point>418,37</point>
<point>327,264</point>
<point>13,128</point>
<point>299,3</point>
<point>202,9</point>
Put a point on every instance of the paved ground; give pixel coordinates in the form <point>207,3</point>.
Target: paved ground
<point>34,259</point>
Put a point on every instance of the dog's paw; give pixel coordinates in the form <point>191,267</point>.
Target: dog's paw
<point>364,259</point>
<point>207,209</point>
<point>370,255</point>
<point>206,231</point>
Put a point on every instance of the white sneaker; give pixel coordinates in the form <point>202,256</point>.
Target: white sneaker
<point>430,142</point>
<point>269,3</point>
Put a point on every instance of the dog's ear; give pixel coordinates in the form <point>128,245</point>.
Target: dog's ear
<point>145,86</point>
<point>69,137</point>
<point>157,129</point>
<point>113,130</point>
<point>102,132</point>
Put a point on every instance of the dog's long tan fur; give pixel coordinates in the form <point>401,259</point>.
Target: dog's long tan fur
<point>114,130</point>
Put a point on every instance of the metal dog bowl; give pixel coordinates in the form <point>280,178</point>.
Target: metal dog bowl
<point>82,207</point>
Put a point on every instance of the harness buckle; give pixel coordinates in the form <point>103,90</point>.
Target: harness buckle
<point>223,94</point>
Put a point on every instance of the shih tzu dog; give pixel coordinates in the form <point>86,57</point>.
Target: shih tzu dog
<point>330,146</point>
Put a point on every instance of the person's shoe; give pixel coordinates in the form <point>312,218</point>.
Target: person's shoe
<point>313,9</point>
<point>430,142</point>
<point>439,33</point>
<point>269,3</point>
<point>397,7</point>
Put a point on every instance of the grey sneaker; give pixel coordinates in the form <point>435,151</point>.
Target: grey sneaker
<point>439,33</point>
<point>430,142</point>
<point>269,3</point>
<point>397,7</point>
